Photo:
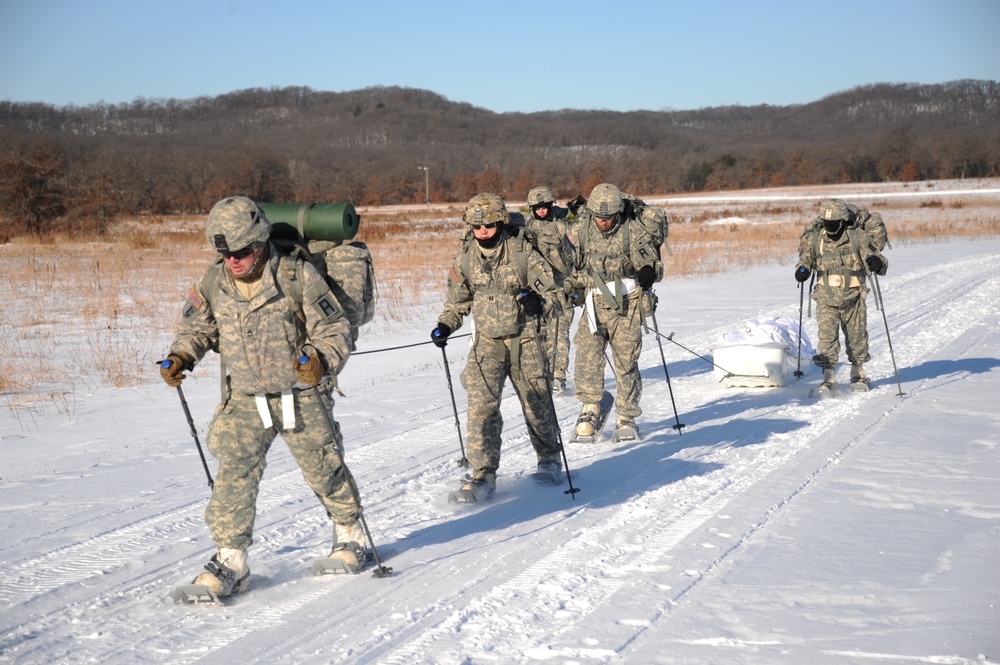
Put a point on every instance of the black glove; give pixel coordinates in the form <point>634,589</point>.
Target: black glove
<point>576,203</point>
<point>802,274</point>
<point>440,335</point>
<point>875,263</point>
<point>531,302</point>
<point>174,366</point>
<point>646,277</point>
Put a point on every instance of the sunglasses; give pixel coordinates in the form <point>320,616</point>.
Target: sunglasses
<point>491,225</point>
<point>239,254</point>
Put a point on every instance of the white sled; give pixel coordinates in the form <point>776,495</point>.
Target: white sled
<point>764,354</point>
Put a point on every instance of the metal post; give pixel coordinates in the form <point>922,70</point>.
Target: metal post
<point>427,184</point>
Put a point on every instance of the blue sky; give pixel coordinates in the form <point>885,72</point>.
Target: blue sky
<point>504,56</point>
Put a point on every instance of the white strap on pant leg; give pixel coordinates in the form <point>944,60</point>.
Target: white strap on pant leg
<point>589,309</point>
<point>287,410</point>
<point>265,413</point>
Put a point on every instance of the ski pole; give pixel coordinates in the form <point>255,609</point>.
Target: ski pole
<point>552,403</point>
<point>798,361</point>
<point>464,462</point>
<point>380,570</point>
<point>892,354</point>
<point>194,431</point>
<point>678,424</point>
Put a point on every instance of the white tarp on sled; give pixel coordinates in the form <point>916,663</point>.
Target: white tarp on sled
<point>763,354</point>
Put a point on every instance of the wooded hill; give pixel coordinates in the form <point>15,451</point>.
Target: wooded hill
<point>66,164</point>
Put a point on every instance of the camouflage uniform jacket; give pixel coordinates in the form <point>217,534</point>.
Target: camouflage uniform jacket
<point>602,258</point>
<point>839,264</point>
<point>489,288</point>
<point>261,339</point>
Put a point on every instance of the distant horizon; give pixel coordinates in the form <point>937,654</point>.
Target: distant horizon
<point>155,100</point>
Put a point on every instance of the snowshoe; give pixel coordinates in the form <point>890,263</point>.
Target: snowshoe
<point>824,391</point>
<point>592,419</point>
<point>549,472</point>
<point>475,490</point>
<point>829,386</point>
<point>348,556</point>
<point>626,431</point>
<point>859,382</point>
<point>226,574</point>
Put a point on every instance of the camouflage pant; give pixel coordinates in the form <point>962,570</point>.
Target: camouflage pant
<point>624,335</point>
<point>849,314</point>
<point>239,441</point>
<point>490,363</point>
<point>557,341</point>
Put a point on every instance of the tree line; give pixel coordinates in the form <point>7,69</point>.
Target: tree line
<point>85,166</point>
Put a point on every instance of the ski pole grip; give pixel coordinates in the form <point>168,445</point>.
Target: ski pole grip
<point>166,364</point>
<point>303,359</point>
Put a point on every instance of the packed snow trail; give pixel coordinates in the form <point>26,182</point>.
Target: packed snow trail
<point>533,574</point>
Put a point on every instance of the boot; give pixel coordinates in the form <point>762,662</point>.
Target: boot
<point>558,386</point>
<point>859,382</point>
<point>549,469</point>
<point>829,386</point>
<point>626,430</point>
<point>349,545</point>
<point>587,422</point>
<point>481,486</point>
<point>227,572</point>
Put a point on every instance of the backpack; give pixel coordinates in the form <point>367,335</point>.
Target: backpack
<point>350,272</point>
<point>545,237</point>
<point>549,240</point>
<point>653,219</point>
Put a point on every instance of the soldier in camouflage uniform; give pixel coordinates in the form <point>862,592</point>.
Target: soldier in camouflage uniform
<point>262,310</point>
<point>842,246</point>
<point>543,209</point>
<point>616,261</point>
<point>501,280</point>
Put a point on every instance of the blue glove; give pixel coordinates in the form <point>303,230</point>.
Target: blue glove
<point>440,335</point>
<point>802,274</point>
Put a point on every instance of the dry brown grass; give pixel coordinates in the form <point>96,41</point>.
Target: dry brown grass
<point>88,313</point>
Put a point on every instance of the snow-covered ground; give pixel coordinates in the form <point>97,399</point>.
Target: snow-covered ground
<point>772,529</point>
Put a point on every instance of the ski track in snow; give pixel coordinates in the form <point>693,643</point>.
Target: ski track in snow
<point>677,530</point>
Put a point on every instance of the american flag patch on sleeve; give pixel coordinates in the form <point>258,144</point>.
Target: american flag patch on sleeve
<point>194,298</point>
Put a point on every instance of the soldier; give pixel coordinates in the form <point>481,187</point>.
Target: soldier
<point>842,246</point>
<point>543,210</point>
<point>617,260</point>
<point>262,310</point>
<point>501,280</point>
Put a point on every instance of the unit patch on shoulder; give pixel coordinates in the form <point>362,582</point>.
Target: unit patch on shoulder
<point>452,275</point>
<point>327,306</point>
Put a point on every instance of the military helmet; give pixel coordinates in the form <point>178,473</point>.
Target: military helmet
<point>486,208</point>
<point>605,201</point>
<point>540,196</point>
<point>834,209</point>
<point>235,223</point>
